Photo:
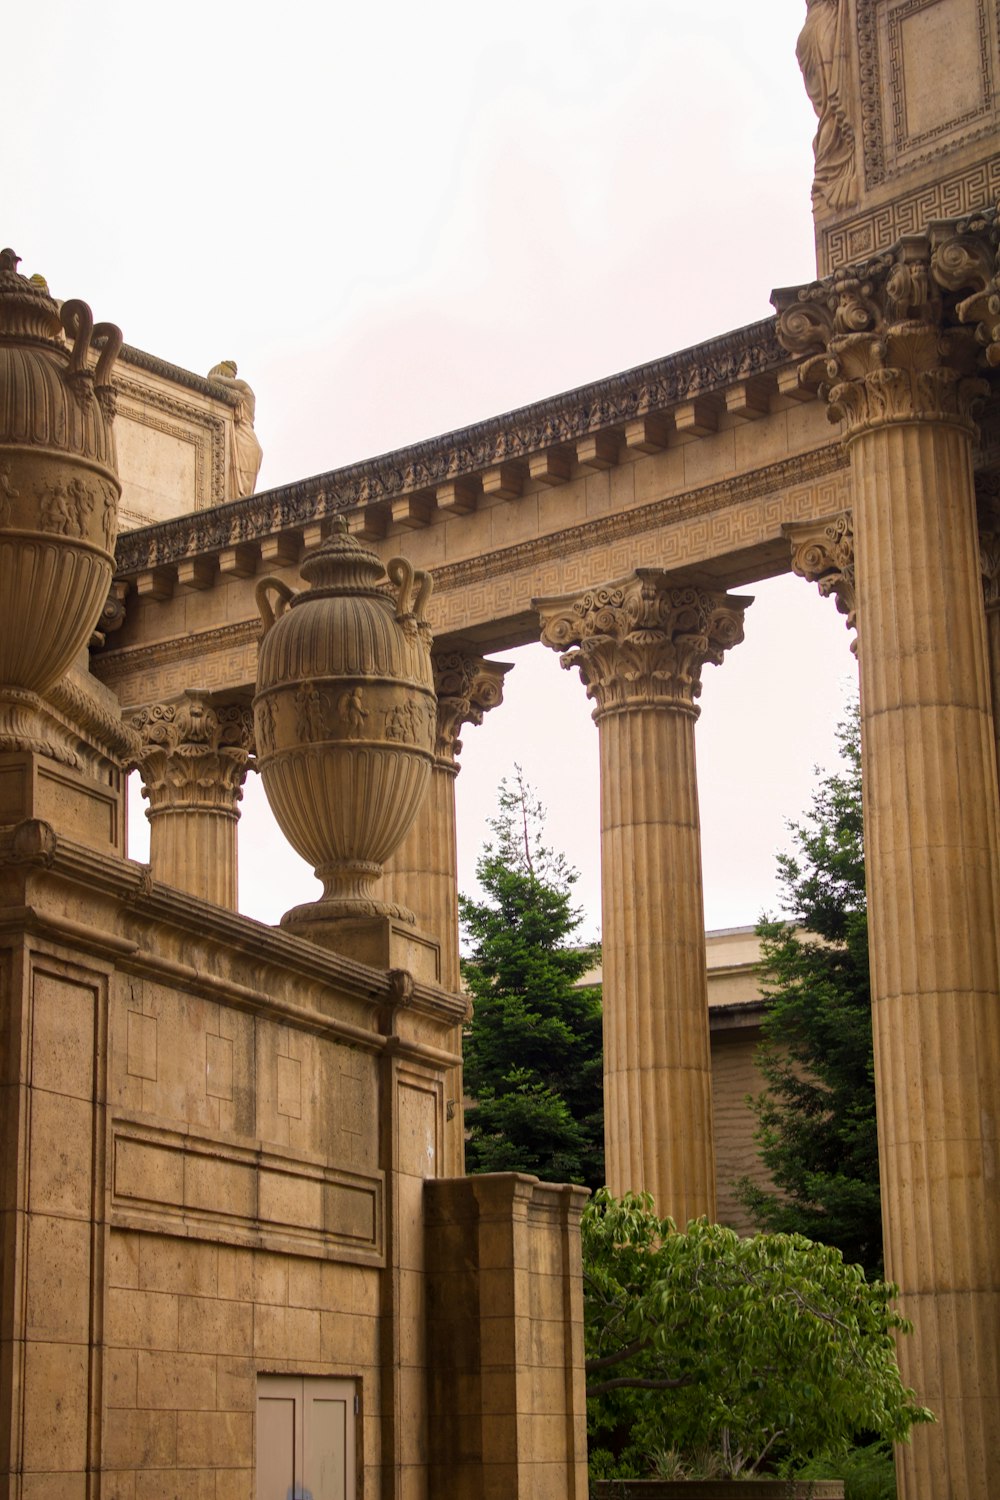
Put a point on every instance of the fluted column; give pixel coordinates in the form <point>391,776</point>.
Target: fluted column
<point>194,759</point>
<point>989,563</point>
<point>423,873</point>
<point>898,369</point>
<point>640,645</point>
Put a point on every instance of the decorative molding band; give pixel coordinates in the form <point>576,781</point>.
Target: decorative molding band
<point>975,189</point>
<point>109,666</point>
<point>651,388</point>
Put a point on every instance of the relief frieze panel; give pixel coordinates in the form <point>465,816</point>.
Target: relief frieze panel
<point>903,45</point>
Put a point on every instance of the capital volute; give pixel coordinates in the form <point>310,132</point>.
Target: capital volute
<point>823,553</point>
<point>643,640</point>
<point>467,687</point>
<point>902,337</point>
<point>194,752</point>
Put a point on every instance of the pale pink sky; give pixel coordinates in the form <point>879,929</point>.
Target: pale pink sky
<point>399,219</point>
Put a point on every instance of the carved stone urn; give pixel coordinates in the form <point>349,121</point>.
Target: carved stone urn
<point>345,718</point>
<point>58,482</point>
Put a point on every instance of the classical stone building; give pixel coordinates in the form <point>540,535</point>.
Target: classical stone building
<point>231,1181</point>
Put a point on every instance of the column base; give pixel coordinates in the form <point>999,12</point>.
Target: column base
<point>381,941</point>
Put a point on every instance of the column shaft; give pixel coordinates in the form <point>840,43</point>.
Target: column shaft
<point>196,851</point>
<point>423,872</point>
<point>898,361</point>
<point>931,844</point>
<point>194,758</point>
<point>657,1065</point>
<point>640,645</point>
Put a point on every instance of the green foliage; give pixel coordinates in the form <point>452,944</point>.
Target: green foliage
<point>533,1049</point>
<point>868,1472</point>
<point>816,1116</point>
<point>707,1352</point>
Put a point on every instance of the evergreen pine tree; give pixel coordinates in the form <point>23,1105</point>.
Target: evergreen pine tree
<point>533,1048</point>
<point>816,1114</point>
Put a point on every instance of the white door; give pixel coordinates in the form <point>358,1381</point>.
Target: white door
<point>305,1438</point>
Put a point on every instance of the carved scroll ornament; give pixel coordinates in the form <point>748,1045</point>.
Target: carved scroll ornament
<point>467,687</point>
<point>823,553</point>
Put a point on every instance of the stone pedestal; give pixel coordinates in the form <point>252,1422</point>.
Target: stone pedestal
<point>381,941</point>
<point>194,759</point>
<point>423,872</point>
<point>640,647</point>
<point>897,369</point>
<point>505,1339</point>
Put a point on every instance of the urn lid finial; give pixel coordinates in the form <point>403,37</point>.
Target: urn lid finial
<point>26,308</point>
<point>342,563</point>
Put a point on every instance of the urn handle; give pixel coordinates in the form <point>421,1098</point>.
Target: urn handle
<point>78,322</point>
<point>112,336</point>
<point>285,596</point>
<point>400,572</point>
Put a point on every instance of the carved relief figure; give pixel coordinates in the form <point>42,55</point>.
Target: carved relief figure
<point>397,725</point>
<point>55,508</point>
<point>823,57</point>
<point>245,452</point>
<point>351,709</point>
<point>7,494</point>
<point>265,725</point>
<point>309,712</point>
<point>110,519</point>
<point>82,498</point>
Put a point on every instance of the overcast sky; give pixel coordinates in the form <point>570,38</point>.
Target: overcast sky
<point>399,219</point>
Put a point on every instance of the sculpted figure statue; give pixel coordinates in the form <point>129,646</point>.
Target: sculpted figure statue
<point>823,57</point>
<point>245,453</point>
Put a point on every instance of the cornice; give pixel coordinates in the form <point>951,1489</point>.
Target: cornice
<point>153,365</point>
<point>699,370</point>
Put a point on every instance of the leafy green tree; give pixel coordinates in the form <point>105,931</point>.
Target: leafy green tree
<point>816,1115</point>
<point>533,1048</point>
<point>712,1354</point>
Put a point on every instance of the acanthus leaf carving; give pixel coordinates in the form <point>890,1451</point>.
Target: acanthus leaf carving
<point>893,339</point>
<point>193,753</point>
<point>642,640</point>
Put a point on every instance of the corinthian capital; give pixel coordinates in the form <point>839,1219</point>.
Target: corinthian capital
<point>823,553</point>
<point>901,337</point>
<point>194,753</point>
<point>643,640</point>
<point>467,687</point>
